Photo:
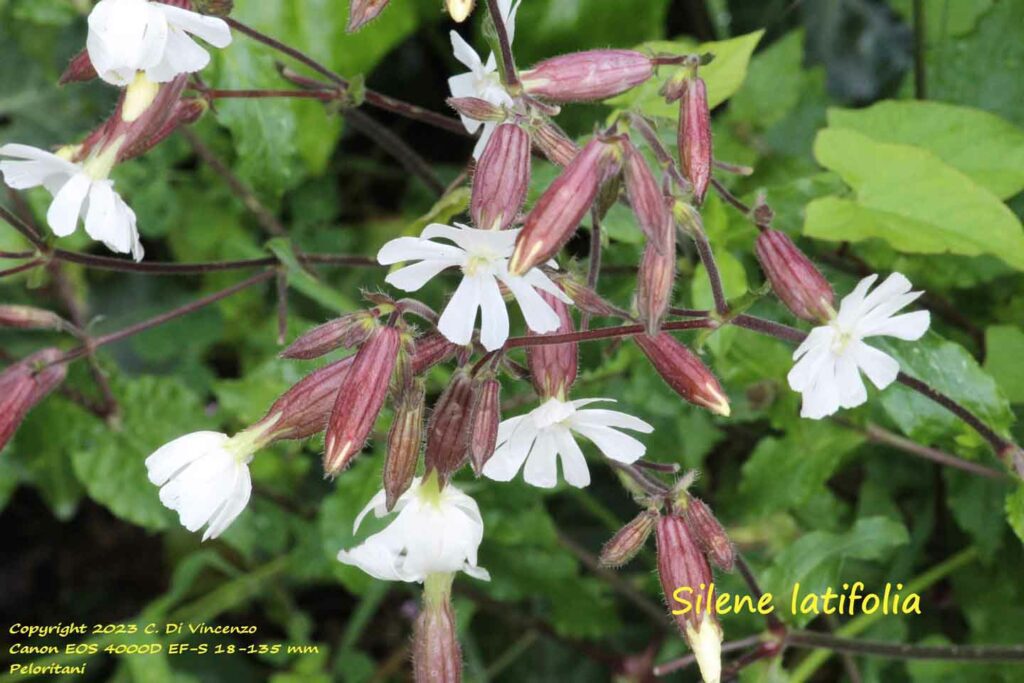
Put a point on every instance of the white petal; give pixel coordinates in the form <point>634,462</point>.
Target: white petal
<point>213,30</point>
<point>909,326</point>
<point>411,278</point>
<point>541,468</point>
<point>493,315</point>
<point>464,52</point>
<point>485,137</point>
<point>63,213</point>
<point>852,305</point>
<point>574,465</point>
<point>852,392</point>
<point>100,217</point>
<point>610,418</point>
<point>614,444</point>
<point>233,506</point>
<point>415,249</point>
<point>459,316</point>
<point>182,56</point>
<point>881,368</point>
<point>376,504</point>
<point>807,369</point>
<point>508,458</point>
<point>539,316</point>
<point>175,455</point>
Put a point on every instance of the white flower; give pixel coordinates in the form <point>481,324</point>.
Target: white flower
<point>831,358</point>
<point>78,190</point>
<point>434,532</point>
<point>128,36</point>
<point>482,80</point>
<point>204,477</point>
<point>483,257</point>
<point>541,436</point>
<point>706,643</point>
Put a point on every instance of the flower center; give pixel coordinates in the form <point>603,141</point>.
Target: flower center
<point>479,264</point>
<point>841,340</point>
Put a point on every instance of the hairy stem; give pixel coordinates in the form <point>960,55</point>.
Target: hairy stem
<point>603,333</point>
<point>509,76</point>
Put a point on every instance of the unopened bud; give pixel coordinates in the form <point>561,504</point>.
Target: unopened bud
<point>360,399</point>
<point>459,9</point>
<point>588,76</point>
<point>709,533</point>
<point>79,69</point>
<point>217,8</point>
<point>404,442</point>
<point>684,372</point>
<point>429,350</point>
<point>648,202</point>
<point>794,278</point>
<point>554,143</point>
<point>501,178</point>
<point>553,367</point>
<point>341,333</point>
<point>436,657</point>
<point>304,409</point>
<point>448,428</point>
<point>30,318</point>
<point>681,563</point>
<point>655,278</point>
<point>558,212</point>
<point>694,137</point>
<point>629,540</point>
<point>23,385</point>
<point>476,109</point>
<point>586,299</point>
<point>483,423</point>
<point>361,12</point>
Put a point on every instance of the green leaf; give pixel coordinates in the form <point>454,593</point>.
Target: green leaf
<point>911,199</point>
<point>110,462</point>
<point>338,511</point>
<point>724,75</point>
<point>784,473</point>
<point>775,82</point>
<point>983,146</point>
<point>950,369</point>
<point>977,504</point>
<point>302,280</point>
<point>944,19</point>
<point>1014,509</point>
<point>815,559</point>
<point>1004,349</point>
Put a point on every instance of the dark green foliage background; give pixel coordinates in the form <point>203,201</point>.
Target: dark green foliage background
<point>85,538</point>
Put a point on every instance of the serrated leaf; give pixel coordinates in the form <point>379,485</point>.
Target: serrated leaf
<point>724,75</point>
<point>950,369</point>
<point>910,198</point>
<point>783,473</point>
<point>983,146</point>
<point>815,559</point>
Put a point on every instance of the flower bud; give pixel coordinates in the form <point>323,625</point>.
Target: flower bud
<point>708,532</point>
<point>590,75</point>
<point>341,333</point>
<point>23,385</point>
<point>648,202</point>
<point>362,12</point>
<point>586,299</point>
<point>684,372</point>
<point>501,179</point>
<point>79,70</point>
<point>558,211</point>
<point>694,138</point>
<point>555,144</point>
<point>476,108</point>
<point>303,410</point>
<point>448,427</point>
<point>436,657</point>
<point>629,540</point>
<point>459,9</point>
<point>682,563</point>
<point>794,278</point>
<point>360,398</point>
<point>30,318</point>
<point>404,442</point>
<point>429,350</point>
<point>553,367</point>
<point>483,423</point>
<point>654,283</point>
